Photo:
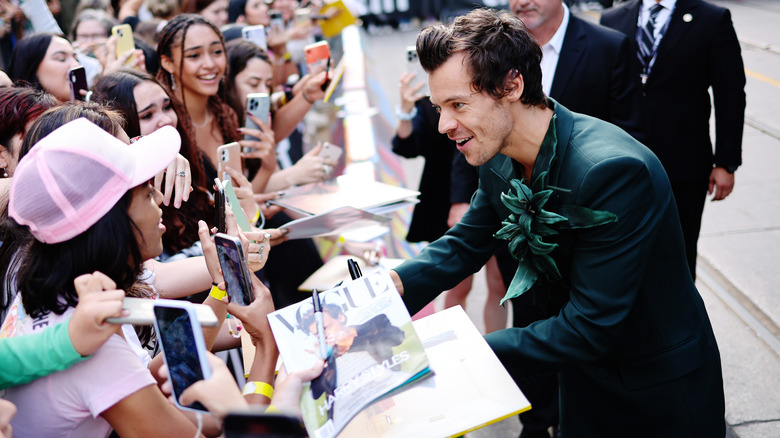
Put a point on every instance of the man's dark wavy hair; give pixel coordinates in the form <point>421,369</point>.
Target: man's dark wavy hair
<point>497,46</point>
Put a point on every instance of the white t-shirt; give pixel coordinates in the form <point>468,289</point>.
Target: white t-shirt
<point>68,403</point>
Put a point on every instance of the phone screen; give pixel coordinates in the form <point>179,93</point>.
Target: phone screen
<point>247,425</point>
<point>179,348</point>
<point>234,270</point>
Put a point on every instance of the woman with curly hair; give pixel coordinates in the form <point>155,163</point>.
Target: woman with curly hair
<point>191,52</point>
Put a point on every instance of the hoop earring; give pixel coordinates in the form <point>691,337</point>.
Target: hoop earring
<point>173,82</point>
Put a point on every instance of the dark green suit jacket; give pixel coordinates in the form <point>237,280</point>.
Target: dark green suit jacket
<point>632,343</point>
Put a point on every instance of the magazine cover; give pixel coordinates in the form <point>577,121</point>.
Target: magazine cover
<point>372,349</point>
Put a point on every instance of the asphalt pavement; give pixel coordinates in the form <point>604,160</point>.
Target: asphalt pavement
<point>739,247</point>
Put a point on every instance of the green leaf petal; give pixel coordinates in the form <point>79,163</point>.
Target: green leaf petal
<point>542,229</point>
<point>548,217</point>
<point>583,217</point>
<point>523,280</point>
<point>539,199</point>
<point>538,247</point>
<point>512,203</point>
<point>546,264</point>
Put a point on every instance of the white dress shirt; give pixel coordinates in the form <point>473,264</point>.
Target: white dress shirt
<point>552,51</point>
<point>660,20</point>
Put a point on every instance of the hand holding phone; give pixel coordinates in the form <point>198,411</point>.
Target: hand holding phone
<point>228,155</point>
<point>235,271</point>
<point>413,66</point>
<point>331,153</point>
<point>258,105</point>
<point>124,41</point>
<point>317,55</point>
<point>183,347</point>
<point>77,78</point>
<point>256,34</point>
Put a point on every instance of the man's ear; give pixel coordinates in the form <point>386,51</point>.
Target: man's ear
<point>166,63</point>
<point>515,84</point>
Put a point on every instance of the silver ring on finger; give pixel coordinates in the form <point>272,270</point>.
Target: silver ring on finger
<point>181,173</point>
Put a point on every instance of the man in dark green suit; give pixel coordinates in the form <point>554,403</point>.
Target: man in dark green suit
<point>589,213</point>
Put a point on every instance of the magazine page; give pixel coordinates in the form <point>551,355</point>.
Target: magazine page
<point>336,221</point>
<point>373,349</point>
<point>471,388</point>
<point>345,190</point>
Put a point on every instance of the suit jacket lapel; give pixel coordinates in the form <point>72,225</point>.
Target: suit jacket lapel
<point>572,50</point>
<point>626,16</point>
<point>677,28</point>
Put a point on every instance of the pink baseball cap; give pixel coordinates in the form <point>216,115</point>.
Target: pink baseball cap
<point>72,177</point>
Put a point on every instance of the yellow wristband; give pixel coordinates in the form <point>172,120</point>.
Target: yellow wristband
<point>271,409</point>
<point>217,293</point>
<point>256,218</point>
<point>261,388</point>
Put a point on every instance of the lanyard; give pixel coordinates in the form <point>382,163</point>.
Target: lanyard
<point>657,40</point>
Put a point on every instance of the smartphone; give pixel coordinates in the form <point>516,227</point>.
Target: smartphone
<point>302,17</point>
<point>276,20</point>
<point>317,55</point>
<point>124,41</point>
<point>253,425</point>
<point>219,206</point>
<point>183,347</point>
<point>413,66</point>
<point>228,155</point>
<point>234,269</point>
<point>77,77</point>
<point>141,312</point>
<point>330,152</point>
<point>255,34</point>
<point>259,105</point>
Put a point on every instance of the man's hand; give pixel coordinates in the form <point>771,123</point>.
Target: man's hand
<point>397,282</point>
<point>721,182</point>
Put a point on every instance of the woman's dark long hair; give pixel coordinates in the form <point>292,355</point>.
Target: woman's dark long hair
<point>117,91</point>
<point>239,53</point>
<point>27,56</point>
<point>174,34</point>
<point>46,276</point>
<point>109,246</point>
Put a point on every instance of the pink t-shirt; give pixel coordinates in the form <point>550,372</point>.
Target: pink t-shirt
<point>69,403</point>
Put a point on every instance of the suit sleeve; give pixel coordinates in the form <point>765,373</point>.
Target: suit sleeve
<point>605,275</point>
<point>728,90</point>
<point>462,251</point>
<point>625,109</point>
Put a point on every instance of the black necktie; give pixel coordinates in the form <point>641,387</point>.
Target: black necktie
<point>646,38</point>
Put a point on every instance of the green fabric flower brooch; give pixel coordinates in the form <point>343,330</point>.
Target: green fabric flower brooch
<point>529,223</point>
